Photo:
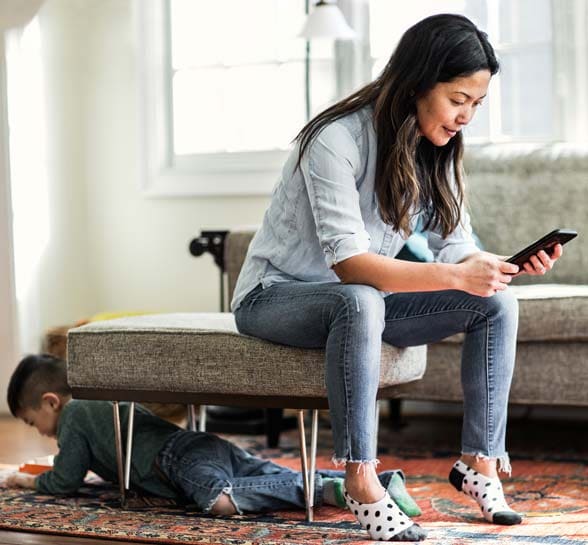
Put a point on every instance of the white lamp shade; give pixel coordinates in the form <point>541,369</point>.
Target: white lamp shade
<point>326,21</point>
<point>17,13</point>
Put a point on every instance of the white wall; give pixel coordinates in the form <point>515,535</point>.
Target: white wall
<point>119,250</point>
<point>110,248</point>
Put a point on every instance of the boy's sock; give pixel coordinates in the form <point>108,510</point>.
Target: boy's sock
<point>400,495</point>
<point>486,491</point>
<point>333,492</point>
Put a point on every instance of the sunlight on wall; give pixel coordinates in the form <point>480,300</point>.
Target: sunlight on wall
<point>27,124</point>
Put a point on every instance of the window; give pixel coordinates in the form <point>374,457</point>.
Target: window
<point>225,81</point>
<point>521,97</point>
<point>225,92</point>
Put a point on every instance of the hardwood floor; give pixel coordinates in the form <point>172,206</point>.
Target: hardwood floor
<point>19,442</point>
<point>24,538</point>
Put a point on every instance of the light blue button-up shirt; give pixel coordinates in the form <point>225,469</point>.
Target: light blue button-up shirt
<point>327,211</point>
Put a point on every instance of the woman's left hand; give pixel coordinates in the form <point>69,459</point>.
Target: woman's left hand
<point>541,262</point>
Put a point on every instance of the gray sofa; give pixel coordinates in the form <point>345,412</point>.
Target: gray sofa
<point>516,197</point>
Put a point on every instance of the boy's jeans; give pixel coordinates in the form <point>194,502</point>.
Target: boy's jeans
<point>202,466</point>
<point>350,321</point>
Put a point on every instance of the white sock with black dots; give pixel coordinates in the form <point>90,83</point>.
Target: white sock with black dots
<point>384,521</point>
<point>486,491</point>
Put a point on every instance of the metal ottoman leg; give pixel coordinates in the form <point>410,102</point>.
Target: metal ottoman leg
<point>191,417</point>
<point>308,474</point>
<point>119,452</point>
<point>129,452</point>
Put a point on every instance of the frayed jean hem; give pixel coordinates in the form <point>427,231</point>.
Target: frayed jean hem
<point>503,460</point>
<point>342,462</point>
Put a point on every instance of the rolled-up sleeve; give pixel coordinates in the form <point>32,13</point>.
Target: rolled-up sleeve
<point>329,169</point>
<point>456,246</point>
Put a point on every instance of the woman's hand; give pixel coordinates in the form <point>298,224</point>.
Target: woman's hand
<point>484,274</point>
<point>21,480</point>
<point>540,263</point>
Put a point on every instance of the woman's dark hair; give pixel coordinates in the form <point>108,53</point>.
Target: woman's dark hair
<point>410,171</point>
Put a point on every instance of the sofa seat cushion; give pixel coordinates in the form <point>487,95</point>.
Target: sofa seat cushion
<point>549,312</point>
<point>204,353</point>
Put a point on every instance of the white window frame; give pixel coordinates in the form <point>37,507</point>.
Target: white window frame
<point>162,174</point>
<point>255,173</point>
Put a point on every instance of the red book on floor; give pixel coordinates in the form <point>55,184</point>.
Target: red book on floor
<point>34,469</point>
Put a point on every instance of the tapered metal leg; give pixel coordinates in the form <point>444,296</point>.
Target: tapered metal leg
<point>304,463</point>
<point>202,419</point>
<point>119,452</point>
<point>129,452</point>
<point>312,470</point>
<point>191,417</point>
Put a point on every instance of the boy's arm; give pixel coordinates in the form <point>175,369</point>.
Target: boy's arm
<point>69,466</point>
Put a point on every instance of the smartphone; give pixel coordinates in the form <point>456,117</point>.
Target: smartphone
<point>558,236</point>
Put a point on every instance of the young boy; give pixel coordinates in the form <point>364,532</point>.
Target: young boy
<point>191,467</point>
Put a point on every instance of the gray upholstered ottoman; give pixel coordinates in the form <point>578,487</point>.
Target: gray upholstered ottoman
<point>202,359</point>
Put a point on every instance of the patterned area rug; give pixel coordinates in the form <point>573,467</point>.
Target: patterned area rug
<point>552,495</point>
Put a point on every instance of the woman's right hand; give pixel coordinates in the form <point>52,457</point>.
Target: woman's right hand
<point>484,274</point>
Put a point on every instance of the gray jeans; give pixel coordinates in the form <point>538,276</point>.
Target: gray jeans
<point>351,321</point>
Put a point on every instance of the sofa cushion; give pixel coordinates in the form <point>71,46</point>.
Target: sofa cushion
<point>204,353</point>
<point>549,312</point>
<point>519,192</point>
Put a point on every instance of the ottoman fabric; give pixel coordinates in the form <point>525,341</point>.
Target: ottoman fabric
<point>204,353</point>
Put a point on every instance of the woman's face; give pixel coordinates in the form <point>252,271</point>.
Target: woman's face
<point>449,106</point>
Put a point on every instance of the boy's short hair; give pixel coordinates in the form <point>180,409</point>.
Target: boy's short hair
<point>34,376</point>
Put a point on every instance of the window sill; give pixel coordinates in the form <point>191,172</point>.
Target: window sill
<point>238,174</point>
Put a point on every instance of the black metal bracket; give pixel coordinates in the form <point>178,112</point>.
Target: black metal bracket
<point>212,242</point>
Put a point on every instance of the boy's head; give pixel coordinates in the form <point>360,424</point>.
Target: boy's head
<point>37,392</point>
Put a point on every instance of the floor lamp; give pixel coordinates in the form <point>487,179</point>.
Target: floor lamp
<point>325,21</point>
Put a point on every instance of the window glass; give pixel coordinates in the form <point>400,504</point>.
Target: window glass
<point>238,75</point>
<point>526,88</point>
<point>520,100</point>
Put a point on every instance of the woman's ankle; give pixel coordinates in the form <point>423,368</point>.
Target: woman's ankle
<point>362,483</point>
<point>485,466</point>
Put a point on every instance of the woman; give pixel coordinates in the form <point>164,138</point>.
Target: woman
<point>321,271</point>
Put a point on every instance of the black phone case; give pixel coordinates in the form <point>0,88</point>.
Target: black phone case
<point>558,236</point>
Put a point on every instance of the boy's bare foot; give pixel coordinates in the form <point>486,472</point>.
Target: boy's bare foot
<point>223,506</point>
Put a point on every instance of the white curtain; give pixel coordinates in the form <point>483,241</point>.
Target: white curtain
<point>353,56</point>
<point>28,176</point>
<point>8,328</point>
<point>570,51</point>
<point>14,14</point>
